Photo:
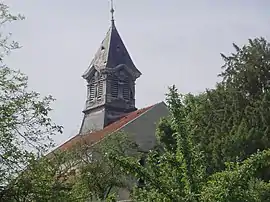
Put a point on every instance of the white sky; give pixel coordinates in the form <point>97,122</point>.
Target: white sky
<point>171,42</point>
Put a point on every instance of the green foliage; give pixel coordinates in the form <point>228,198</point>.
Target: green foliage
<point>6,44</point>
<point>232,120</point>
<point>100,177</point>
<point>165,135</point>
<point>25,125</point>
<point>45,179</point>
<point>238,182</point>
<point>84,173</point>
<point>229,123</point>
<point>214,146</point>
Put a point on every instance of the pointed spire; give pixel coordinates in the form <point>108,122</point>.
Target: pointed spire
<point>111,53</point>
<point>112,12</point>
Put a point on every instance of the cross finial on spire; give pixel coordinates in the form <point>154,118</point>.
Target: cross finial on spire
<point>112,11</point>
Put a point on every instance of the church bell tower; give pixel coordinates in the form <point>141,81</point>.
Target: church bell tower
<point>110,81</point>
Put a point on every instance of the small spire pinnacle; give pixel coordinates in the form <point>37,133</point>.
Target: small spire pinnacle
<point>112,12</point>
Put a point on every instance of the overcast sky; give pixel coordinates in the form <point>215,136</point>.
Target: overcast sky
<point>171,42</point>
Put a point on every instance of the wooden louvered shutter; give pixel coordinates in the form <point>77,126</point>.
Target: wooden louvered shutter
<point>126,90</point>
<point>114,87</point>
<point>100,89</point>
<point>92,91</point>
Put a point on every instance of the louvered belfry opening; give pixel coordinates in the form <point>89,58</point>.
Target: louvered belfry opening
<point>126,90</point>
<point>121,87</point>
<point>114,87</point>
<point>95,88</point>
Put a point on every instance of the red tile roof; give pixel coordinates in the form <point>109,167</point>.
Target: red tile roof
<point>93,137</point>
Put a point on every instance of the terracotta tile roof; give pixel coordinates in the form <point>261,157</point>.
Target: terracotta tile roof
<point>94,137</point>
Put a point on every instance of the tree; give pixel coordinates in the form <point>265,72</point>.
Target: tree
<point>45,179</point>
<point>232,121</point>
<point>99,177</point>
<point>215,145</point>
<point>25,126</point>
<point>85,172</point>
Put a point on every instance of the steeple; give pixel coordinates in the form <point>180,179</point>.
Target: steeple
<point>110,80</point>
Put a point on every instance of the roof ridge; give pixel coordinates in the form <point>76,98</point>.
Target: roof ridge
<point>142,110</point>
<point>115,126</point>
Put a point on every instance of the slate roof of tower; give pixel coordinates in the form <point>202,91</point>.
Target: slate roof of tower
<point>93,137</point>
<point>111,53</point>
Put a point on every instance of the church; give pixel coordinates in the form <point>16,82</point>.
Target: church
<point>110,103</point>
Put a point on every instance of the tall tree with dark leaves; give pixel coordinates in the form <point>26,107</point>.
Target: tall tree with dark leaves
<point>215,145</point>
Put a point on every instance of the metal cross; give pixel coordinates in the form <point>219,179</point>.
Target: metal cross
<point>112,10</point>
